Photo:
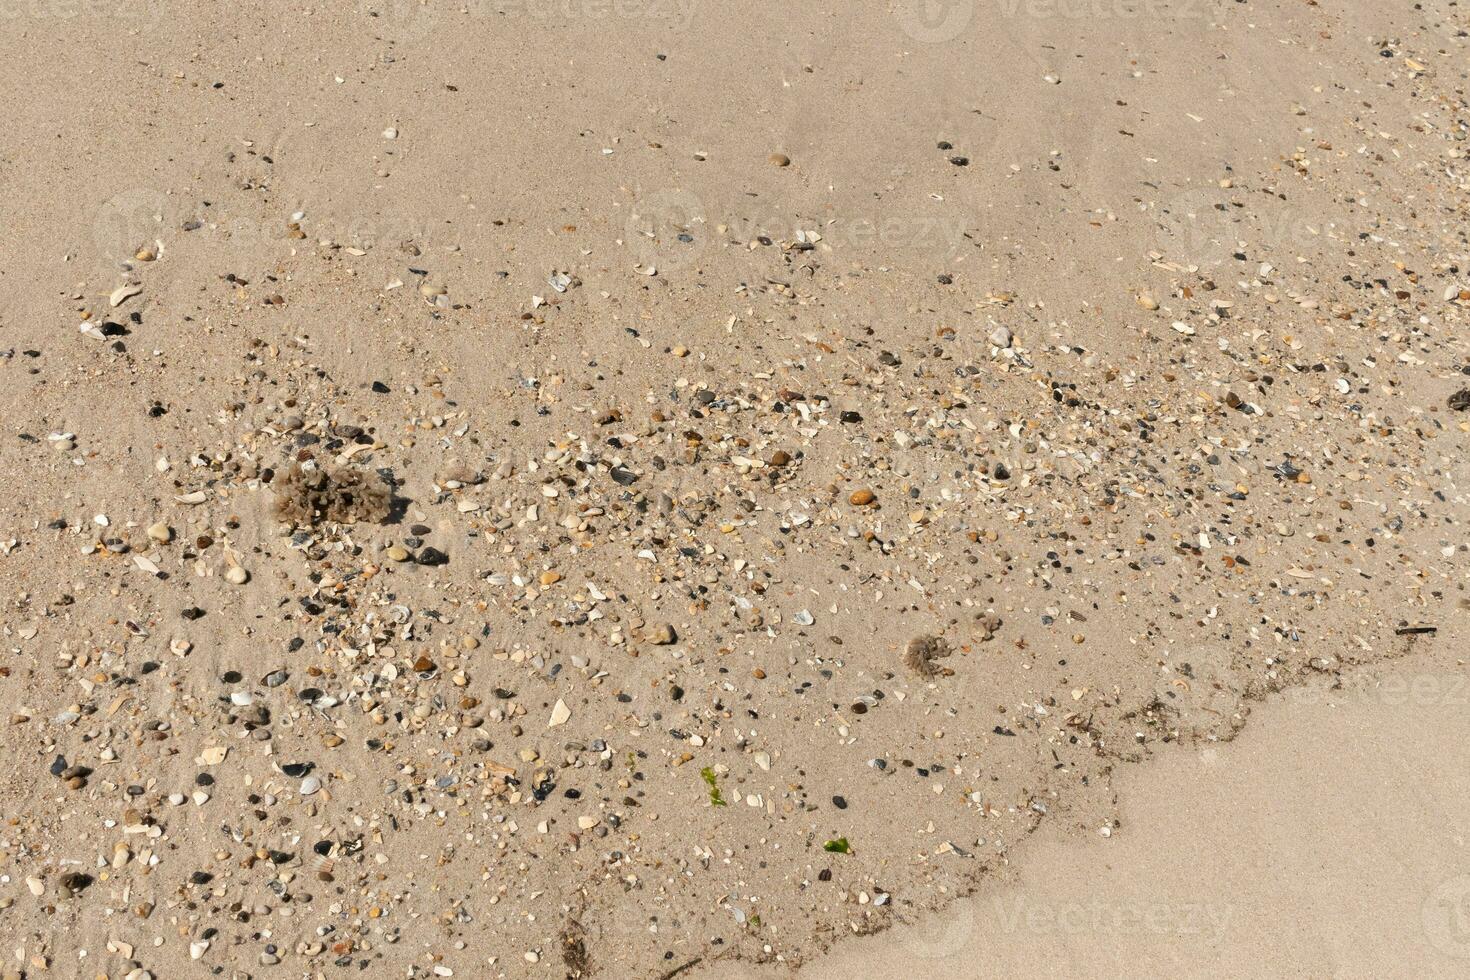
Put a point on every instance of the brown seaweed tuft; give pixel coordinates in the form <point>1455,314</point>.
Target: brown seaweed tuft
<point>921,652</point>
<point>308,495</point>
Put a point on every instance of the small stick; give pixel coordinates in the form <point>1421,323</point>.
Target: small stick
<point>680,969</point>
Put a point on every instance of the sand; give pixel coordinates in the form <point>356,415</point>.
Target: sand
<point>604,489</point>
<point>1345,856</point>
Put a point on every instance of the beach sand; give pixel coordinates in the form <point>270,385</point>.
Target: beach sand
<point>1328,840</point>
<point>512,488</point>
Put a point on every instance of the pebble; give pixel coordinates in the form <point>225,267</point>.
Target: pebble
<point>431,556</point>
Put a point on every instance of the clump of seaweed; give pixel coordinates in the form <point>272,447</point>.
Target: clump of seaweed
<point>574,954</point>
<point>307,495</point>
<point>715,797</point>
<point>921,652</point>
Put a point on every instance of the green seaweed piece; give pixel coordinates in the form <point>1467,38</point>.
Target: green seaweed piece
<point>714,787</point>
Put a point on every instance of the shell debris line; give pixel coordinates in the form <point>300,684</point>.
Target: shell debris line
<point>490,518</point>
